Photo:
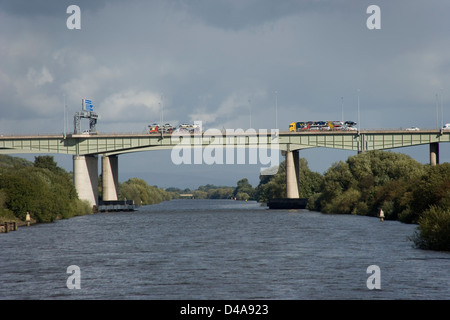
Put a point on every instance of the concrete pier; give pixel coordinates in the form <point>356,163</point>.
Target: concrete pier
<point>85,178</point>
<point>291,175</point>
<point>434,153</point>
<point>110,178</point>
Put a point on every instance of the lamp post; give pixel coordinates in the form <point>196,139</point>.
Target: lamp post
<point>442,110</point>
<point>250,110</point>
<point>276,109</point>
<point>437,112</point>
<point>359,117</point>
<point>64,115</point>
<point>162,111</point>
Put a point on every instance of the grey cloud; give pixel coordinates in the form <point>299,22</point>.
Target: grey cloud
<point>238,14</point>
<point>46,8</point>
<point>208,58</point>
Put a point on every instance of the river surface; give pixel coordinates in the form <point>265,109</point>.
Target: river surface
<point>219,249</point>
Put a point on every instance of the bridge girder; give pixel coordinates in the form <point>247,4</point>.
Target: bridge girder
<point>114,144</point>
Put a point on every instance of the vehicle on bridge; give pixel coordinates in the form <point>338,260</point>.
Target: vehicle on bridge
<point>188,128</point>
<point>153,128</point>
<point>167,128</point>
<point>156,128</point>
<point>321,126</point>
<point>446,126</point>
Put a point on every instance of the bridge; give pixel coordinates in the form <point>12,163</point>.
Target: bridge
<point>86,149</point>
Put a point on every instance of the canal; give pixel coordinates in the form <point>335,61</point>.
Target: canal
<point>219,249</point>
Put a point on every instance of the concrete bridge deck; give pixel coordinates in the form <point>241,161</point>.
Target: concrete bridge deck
<point>109,144</point>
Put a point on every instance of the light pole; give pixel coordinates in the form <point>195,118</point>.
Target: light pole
<point>276,109</point>
<point>250,110</point>
<point>437,112</point>
<point>65,116</point>
<point>359,118</point>
<point>162,111</point>
<point>442,110</point>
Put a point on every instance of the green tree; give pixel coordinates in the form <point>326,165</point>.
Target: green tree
<point>198,194</point>
<point>141,193</point>
<point>383,181</point>
<point>434,229</point>
<point>47,162</point>
<point>336,180</point>
<point>272,186</point>
<point>309,182</point>
<point>432,189</point>
<point>244,190</point>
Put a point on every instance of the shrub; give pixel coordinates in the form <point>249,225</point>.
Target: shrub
<point>434,229</point>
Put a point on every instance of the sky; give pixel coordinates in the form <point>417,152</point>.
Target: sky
<point>228,63</point>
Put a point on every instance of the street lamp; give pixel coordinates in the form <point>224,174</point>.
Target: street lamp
<point>250,110</point>
<point>437,112</point>
<point>162,111</point>
<point>442,110</point>
<point>359,119</point>
<point>276,109</point>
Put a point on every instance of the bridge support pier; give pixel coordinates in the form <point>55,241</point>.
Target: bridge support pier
<point>292,174</point>
<point>434,153</point>
<point>110,178</point>
<point>85,178</point>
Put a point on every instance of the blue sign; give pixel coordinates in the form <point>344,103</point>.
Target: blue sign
<point>87,104</point>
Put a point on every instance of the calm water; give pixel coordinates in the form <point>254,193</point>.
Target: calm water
<point>219,249</point>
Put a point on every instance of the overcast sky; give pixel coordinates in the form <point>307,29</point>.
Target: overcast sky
<point>221,62</point>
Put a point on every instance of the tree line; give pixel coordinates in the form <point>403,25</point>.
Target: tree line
<point>41,188</point>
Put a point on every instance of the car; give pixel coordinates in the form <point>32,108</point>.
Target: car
<point>446,126</point>
<point>350,123</point>
<point>168,128</point>
<point>412,129</point>
<point>154,128</point>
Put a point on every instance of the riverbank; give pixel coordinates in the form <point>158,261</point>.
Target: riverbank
<point>7,226</point>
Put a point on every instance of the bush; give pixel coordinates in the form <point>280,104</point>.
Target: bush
<point>346,202</point>
<point>434,229</point>
<point>314,202</point>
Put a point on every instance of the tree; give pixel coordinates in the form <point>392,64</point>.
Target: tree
<point>384,180</point>
<point>433,188</point>
<point>243,190</point>
<point>141,193</point>
<point>336,180</point>
<point>272,186</point>
<point>309,182</point>
<point>434,229</point>
<point>47,162</point>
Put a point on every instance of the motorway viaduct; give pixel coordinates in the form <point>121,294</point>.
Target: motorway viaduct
<point>86,149</point>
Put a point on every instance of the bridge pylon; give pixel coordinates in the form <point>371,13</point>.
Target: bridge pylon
<point>85,178</point>
<point>292,168</point>
<point>434,153</point>
<point>110,178</point>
